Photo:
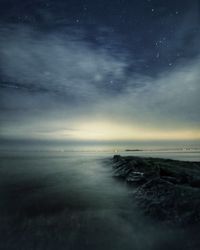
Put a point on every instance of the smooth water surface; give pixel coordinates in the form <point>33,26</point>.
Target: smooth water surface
<point>62,200</point>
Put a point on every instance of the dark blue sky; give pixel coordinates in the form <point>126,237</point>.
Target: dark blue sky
<point>84,58</point>
<point>156,32</point>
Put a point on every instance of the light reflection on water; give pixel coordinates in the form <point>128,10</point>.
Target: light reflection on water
<point>182,155</point>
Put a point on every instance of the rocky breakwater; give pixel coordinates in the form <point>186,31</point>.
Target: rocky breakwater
<point>167,190</point>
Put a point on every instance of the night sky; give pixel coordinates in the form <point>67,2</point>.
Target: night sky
<point>100,70</point>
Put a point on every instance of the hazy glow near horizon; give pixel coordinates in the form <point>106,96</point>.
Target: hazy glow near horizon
<point>61,85</point>
<point>109,131</point>
<point>100,131</point>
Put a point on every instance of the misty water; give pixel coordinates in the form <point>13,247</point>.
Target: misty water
<point>70,200</point>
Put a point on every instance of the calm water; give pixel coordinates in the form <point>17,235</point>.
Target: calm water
<point>69,200</point>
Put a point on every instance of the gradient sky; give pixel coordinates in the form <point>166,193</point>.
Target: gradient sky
<point>100,70</point>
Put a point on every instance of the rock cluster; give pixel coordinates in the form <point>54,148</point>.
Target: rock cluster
<point>166,189</point>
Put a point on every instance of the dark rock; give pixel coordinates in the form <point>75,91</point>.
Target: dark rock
<point>117,158</point>
<point>170,179</point>
<point>136,178</point>
<point>195,183</point>
<point>165,189</point>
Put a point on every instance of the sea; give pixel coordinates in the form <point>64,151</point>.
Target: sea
<point>56,196</point>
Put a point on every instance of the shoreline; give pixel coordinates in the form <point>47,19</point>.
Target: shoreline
<point>167,190</point>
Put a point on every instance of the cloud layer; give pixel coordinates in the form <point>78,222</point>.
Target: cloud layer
<point>66,81</point>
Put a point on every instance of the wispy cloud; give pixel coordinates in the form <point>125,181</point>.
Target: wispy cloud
<point>64,80</point>
<point>56,63</point>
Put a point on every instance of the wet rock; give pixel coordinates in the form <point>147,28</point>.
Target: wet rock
<point>136,178</point>
<point>170,179</point>
<point>165,189</point>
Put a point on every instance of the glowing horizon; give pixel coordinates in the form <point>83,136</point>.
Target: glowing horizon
<point>61,84</point>
<point>106,131</point>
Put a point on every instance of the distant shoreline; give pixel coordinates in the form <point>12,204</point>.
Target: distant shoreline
<point>127,150</point>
